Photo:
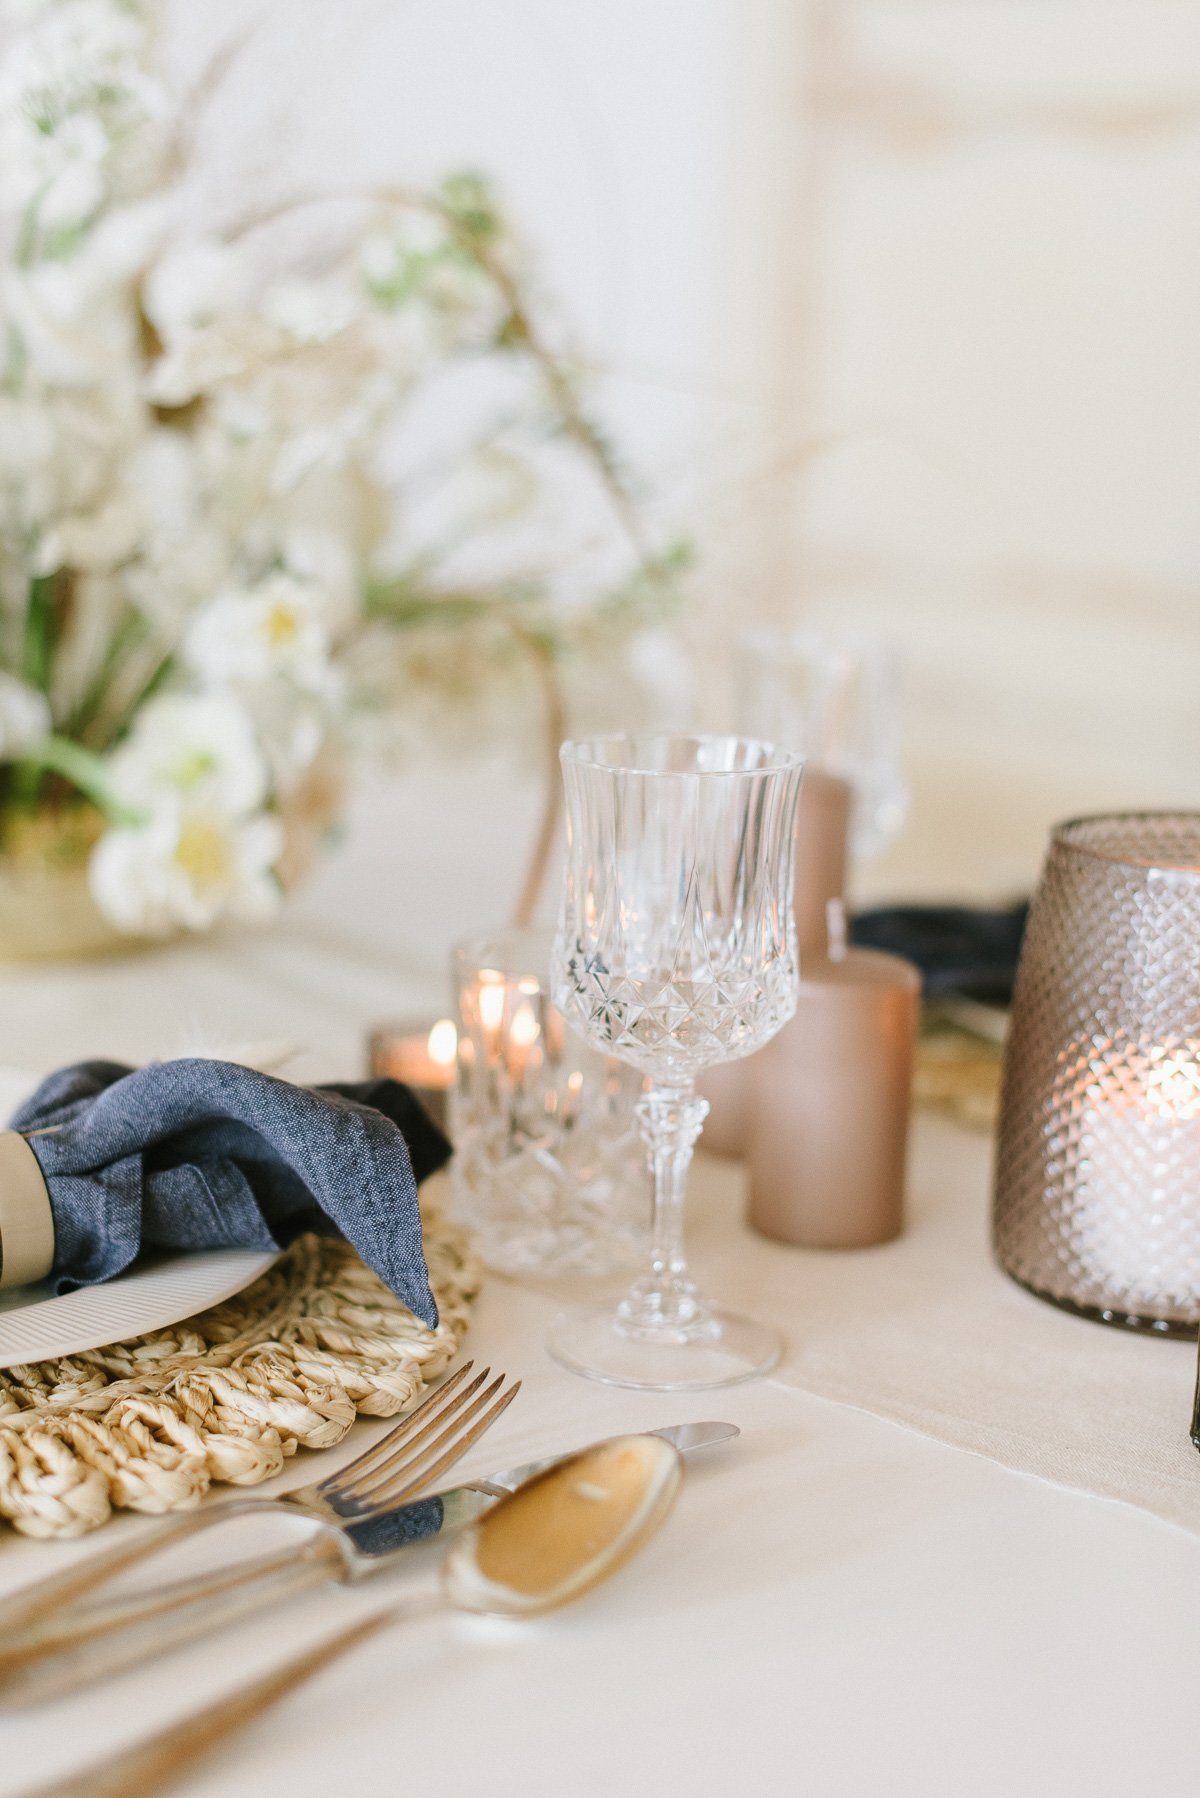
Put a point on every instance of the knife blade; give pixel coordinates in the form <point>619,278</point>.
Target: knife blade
<point>79,1647</point>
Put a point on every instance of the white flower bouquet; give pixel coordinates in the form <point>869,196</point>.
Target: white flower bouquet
<point>224,559</point>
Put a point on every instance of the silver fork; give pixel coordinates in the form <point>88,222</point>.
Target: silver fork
<point>400,1466</point>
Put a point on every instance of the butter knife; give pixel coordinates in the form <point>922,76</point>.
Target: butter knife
<point>77,1648</point>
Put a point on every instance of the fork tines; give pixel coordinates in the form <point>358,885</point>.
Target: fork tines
<point>431,1439</point>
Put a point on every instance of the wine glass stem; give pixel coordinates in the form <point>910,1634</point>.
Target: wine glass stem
<point>663,1303</point>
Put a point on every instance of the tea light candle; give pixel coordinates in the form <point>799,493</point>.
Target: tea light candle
<point>423,1059</point>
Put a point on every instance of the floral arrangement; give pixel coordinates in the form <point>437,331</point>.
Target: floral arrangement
<point>220,565</point>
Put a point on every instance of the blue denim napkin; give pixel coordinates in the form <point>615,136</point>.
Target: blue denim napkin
<point>198,1154</point>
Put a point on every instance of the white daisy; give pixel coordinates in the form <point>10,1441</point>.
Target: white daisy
<point>188,866</point>
<point>193,749</point>
<point>250,635</point>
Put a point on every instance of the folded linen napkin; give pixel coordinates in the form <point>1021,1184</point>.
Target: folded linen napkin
<point>197,1154</point>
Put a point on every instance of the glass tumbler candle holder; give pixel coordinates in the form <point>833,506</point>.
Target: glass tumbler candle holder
<point>836,701</point>
<point>549,1170</point>
<point>1097,1196</point>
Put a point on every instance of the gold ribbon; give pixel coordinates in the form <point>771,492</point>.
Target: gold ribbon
<point>26,1220</point>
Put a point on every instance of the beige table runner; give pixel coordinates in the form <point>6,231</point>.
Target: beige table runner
<point>927,1332</point>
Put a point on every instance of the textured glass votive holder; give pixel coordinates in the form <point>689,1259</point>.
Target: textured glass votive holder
<point>549,1170</point>
<point>1097,1194</point>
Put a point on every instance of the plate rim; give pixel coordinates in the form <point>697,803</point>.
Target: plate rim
<point>80,1338</point>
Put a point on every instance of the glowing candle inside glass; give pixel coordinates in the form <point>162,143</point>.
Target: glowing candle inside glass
<point>491,1002</point>
<point>1136,1136</point>
<point>1097,1187</point>
<point>523,1035</point>
<point>549,1171</point>
<point>442,1047</point>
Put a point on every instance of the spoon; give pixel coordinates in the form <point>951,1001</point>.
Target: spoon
<point>547,1543</point>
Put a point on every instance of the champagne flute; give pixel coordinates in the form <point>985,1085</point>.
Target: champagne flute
<point>676,950</point>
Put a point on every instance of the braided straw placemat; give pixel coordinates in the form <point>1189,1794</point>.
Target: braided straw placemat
<point>150,1424</point>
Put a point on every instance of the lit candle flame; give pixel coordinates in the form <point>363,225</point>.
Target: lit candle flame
<point>1173,1084</point>
<point>491,1001</point>
<point>443,1043</point>
<point>525,1027</point>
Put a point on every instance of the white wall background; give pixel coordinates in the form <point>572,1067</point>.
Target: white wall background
<point>1003,301</point>
<point>898,301</point>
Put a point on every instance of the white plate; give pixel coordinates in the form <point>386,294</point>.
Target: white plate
<point>35,1326</point>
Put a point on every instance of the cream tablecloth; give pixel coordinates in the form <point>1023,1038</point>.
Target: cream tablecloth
<point>841,1605</point>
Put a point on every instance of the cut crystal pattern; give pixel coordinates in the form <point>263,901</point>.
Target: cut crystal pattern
<point>676,946</point>
<point>676,950</point>
<point>549,1168</point>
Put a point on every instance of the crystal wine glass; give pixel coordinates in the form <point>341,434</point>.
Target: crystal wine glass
<point>836,700</point>
<point>676,950</point>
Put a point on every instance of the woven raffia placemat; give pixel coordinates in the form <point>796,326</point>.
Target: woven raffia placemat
<point>152,1423</point>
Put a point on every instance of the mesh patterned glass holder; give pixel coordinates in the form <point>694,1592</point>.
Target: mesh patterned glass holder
<point>1097,1194</point>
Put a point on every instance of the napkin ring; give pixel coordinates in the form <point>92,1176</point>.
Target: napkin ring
<point>26,1220</point>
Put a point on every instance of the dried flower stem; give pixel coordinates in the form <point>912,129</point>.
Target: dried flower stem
<point>554,730</point>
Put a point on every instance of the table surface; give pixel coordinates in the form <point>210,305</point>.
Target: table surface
<point>839,1605</point>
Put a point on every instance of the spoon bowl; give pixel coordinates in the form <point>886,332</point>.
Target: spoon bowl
<point>560,1534</point>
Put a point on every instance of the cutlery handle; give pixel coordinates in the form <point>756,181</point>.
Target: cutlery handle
<point>81,1648</point>
<point>155,1764</point>
<point>32,1603</point>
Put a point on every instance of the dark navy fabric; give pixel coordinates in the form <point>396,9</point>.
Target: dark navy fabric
<point>960,952</point>
<point>205,1154</point>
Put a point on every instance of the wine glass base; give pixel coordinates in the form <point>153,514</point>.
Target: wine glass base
<point>589,1342</point>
